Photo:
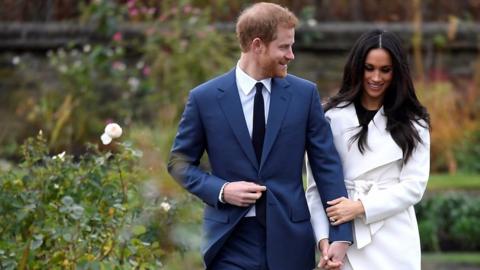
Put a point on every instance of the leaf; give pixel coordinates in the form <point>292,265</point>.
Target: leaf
<point>139,229</point>
<point>36,244</point>
<point>76,212</point>
<point>67,201</point>
<point>67,237</point>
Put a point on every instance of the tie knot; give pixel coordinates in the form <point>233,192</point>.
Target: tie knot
<point>259,87</point>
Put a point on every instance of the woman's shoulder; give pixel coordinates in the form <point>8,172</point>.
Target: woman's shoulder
<point>340,110</point>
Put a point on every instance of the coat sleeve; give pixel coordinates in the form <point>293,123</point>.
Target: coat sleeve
<point>326,166</point>
<point>412,184</point>
<point>188,147</point>
<point>318,218</point>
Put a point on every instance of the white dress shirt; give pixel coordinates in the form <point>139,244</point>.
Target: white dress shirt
<point>246,92</point>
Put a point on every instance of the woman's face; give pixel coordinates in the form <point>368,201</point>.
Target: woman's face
<point>377,76</point>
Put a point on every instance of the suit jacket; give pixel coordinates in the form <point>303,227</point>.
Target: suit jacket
<point>387,236</point>
<point>213,121</point>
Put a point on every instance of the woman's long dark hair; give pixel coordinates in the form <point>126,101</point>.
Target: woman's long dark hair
<point>401,105</point>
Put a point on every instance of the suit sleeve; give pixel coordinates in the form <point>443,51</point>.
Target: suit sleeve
<point>413,182</point>
<point>318,218</point>
<point>326,165</point>
<point>188,147</point>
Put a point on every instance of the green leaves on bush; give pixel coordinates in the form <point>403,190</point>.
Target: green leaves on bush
<point>449,221</point>
<point>83,212</point>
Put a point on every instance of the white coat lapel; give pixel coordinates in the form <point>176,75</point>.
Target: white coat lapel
<point>381,149</point>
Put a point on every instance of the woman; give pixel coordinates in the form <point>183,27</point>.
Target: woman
<point>381,132</point>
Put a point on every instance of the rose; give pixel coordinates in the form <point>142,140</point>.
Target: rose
<point>112,131</point>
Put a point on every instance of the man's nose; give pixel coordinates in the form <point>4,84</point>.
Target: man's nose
<point>290,56</point>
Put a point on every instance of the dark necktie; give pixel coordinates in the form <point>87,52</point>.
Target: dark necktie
<point>258,135</point>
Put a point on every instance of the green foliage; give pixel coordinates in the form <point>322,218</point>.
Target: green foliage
<point>449,222</point>
<point>468,153</point>
<point>143,79</point>
<point>86,212</point>
<point>104,15</point>
<point>184,50</point>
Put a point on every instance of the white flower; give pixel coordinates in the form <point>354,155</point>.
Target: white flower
<point>134,83</point>
<point>165,206</point>
<point>140,65</point>
<point>105,139</point>
<point>312,22</point>
<point>87,48</point>
<point>112,131</point>
<point>60,156</point>
<point>63,68</point>
<point>16,60</point>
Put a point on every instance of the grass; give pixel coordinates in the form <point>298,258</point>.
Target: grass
<point>441,182</point>
<point>471,258</point>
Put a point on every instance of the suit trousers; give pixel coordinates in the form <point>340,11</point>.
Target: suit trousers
<point>245,249</point>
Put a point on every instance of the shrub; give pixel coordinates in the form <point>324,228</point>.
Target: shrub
<point>449,221</point>
<point>83,212</point>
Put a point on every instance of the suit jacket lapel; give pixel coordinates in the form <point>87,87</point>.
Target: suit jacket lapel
<point>232,108</point>
<point>279,100</point>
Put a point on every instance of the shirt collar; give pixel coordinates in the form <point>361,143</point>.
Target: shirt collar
<point>246,83</point>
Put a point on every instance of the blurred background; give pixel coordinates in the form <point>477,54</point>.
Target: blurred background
<point>68,68</point>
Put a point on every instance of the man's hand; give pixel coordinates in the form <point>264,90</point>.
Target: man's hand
<point>323,246</point>
<point>336,254</point>
<point>331,259</point>
<point>242,193</point>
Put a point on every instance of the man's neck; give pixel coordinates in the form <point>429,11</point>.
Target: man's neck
<point>249,66</point>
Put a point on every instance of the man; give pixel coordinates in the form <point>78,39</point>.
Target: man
<point>256,122</point>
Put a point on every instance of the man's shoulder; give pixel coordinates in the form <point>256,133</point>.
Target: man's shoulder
<point>213,84</point>
<point>298,81</point>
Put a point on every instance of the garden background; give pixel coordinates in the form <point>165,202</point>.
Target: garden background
<point>68,68</point>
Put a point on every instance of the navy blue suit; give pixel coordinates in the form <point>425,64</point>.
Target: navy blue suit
<point>213,121</point>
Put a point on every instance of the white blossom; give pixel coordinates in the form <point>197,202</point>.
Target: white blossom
<point>87,48</point>
<point>16,60</point>
<point>60,156</point>
<point>165,206</point>
<point>63,68</point>
<point>105,139</point>
<point>112,131</point>
<point>134,83</point>
<point>140,64</point>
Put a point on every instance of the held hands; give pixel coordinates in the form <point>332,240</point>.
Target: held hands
<point>342,210</point>
<point>242,193</point>
<point>332,255</point>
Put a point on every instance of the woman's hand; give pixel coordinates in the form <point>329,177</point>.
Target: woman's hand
<point>342,210</point>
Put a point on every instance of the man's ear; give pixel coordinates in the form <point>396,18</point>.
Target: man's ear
<point>257,46</point>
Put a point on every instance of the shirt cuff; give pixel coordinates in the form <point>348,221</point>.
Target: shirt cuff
<point>220,195</point>
<point>348,242</point>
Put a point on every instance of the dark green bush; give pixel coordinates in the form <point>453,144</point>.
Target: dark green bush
<point>95,210</point>
<point>449,221</point>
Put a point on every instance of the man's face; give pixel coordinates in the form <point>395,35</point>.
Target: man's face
<point>275,57</point>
